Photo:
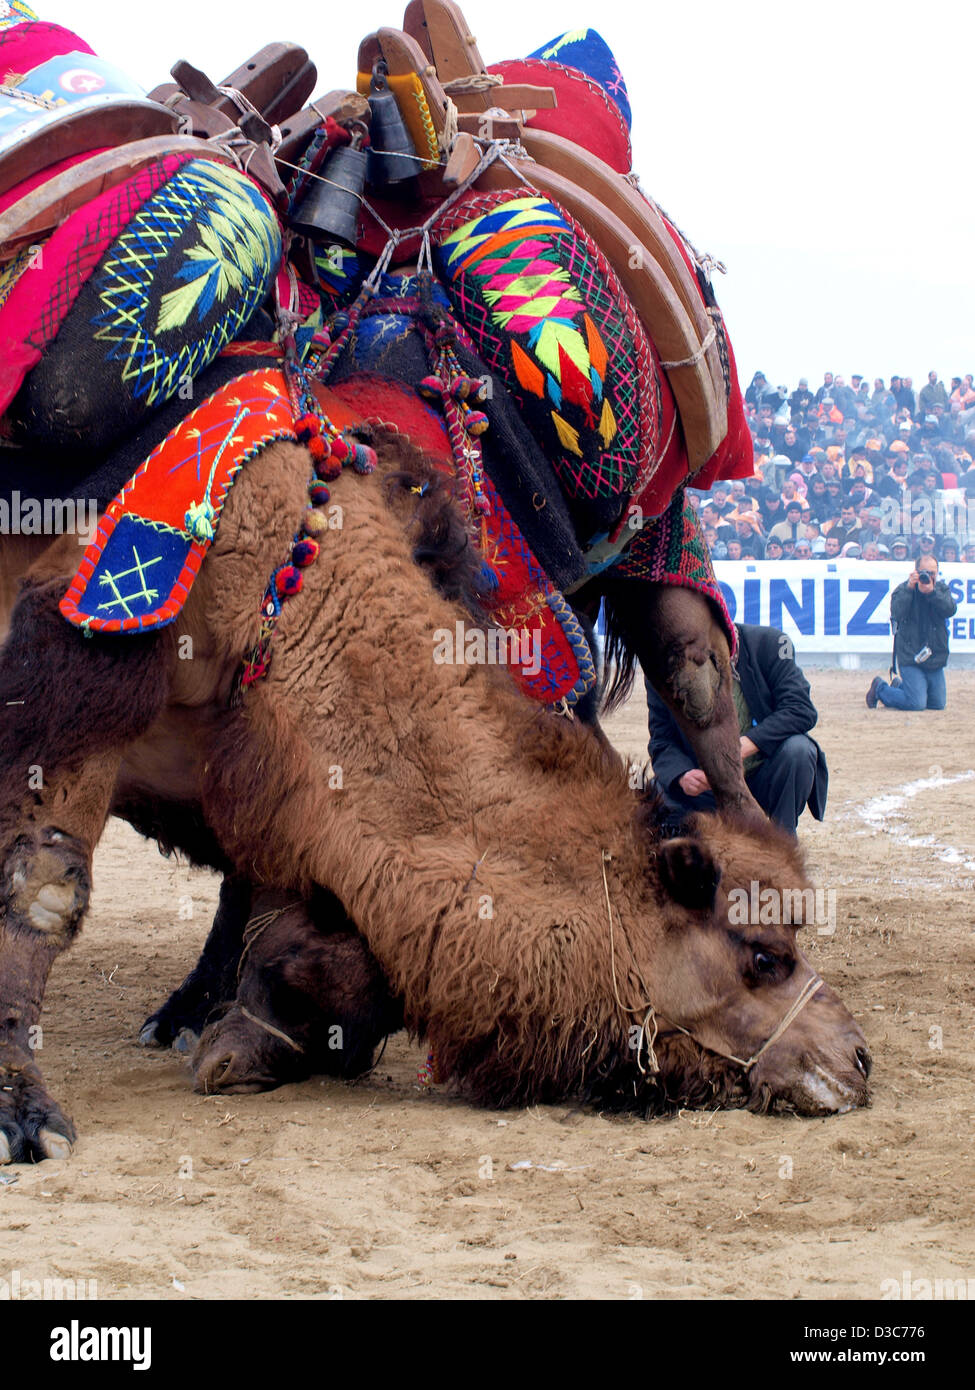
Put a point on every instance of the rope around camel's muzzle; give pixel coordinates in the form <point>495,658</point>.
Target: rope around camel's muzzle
<point>809,989</point>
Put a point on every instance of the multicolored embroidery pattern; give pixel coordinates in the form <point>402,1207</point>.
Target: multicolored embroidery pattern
<point>526,601</point>
<point>226,272</point>
<point>671,549</point>
<point>337,269</point>
<point>588,52</point>
<point>546,316</point>
<point>36,309</point>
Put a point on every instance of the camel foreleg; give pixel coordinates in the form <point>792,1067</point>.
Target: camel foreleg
<point>682,648</point>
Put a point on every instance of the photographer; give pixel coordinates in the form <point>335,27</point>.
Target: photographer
<point>920,610</point>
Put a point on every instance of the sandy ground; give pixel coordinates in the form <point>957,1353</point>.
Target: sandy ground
<point>384,1190</point>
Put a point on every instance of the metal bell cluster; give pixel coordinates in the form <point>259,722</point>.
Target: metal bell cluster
<point>329,211</point>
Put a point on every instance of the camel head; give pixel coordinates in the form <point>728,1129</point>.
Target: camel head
<point>729,977</point>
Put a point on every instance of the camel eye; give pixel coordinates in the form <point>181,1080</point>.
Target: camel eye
<point>764,962</point>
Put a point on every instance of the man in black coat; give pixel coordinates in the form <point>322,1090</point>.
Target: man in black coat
<point>919,610</point>
<point>785,769</point>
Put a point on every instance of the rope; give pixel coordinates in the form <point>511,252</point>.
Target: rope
<point>809,989</point>
<point>270,1028</point>
<point>256,926</point>
<point>695,357</point>
<point>476,82</point>
<point>19,94</point>
<point>706,261</point>
<point>245,105</point>
<point>812,985</point>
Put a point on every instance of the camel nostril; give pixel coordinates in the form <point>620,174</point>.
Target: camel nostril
<point>216,1071</point>
<point>223,1068</point>
<point>864,1061</point>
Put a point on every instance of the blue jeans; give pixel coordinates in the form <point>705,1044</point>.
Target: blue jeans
<point>919,689</point>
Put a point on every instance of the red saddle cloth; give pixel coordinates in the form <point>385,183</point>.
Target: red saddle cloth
<point>152,538</point>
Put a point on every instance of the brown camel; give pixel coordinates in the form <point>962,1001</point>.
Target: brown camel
<point>493,858</point>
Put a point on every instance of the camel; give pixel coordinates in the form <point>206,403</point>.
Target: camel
<point>493,858</point>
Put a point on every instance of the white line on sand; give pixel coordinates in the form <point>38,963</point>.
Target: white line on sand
<point>885,813</point>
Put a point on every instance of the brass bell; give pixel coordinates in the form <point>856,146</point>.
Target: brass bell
<point>392,156</point>
<point>330,208</point>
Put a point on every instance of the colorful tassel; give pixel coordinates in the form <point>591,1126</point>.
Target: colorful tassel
<point>314,523</point>
<point>463,388</point>
<point>307,427</point>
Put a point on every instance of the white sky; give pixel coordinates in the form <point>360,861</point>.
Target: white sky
<point>823,152</point>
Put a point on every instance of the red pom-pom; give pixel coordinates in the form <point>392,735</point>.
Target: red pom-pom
<point>288,581</point>
<point>328,469</point>
<point>340,448</point>
<point>463,387</point>
<point>431,387</point>
<point>318,448</point>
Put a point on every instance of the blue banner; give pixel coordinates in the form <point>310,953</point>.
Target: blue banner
<point>836,605</point>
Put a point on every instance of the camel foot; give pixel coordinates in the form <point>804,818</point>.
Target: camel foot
<point>32,1127</point>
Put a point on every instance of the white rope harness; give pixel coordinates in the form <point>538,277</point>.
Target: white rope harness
<point>648,1039</point>
<point>270,1028</point>
<point>696,356</point>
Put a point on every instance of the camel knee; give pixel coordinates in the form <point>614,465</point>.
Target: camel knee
<point>696,687</point>
<point>46,884</point>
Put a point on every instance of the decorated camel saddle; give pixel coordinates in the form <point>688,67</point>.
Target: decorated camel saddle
<point>474,235</point>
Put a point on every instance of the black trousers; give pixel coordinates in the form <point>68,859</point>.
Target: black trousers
<point>781,785</point>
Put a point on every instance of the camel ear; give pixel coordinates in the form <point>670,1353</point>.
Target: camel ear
<point>688,874</point>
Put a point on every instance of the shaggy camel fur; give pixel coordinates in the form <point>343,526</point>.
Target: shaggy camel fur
<point>492,857</point>
<point>464,833</point>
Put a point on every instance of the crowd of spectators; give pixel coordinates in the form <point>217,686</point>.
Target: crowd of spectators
<point>872,473</point>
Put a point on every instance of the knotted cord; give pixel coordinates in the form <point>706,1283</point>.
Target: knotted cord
<point>809,989</point>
